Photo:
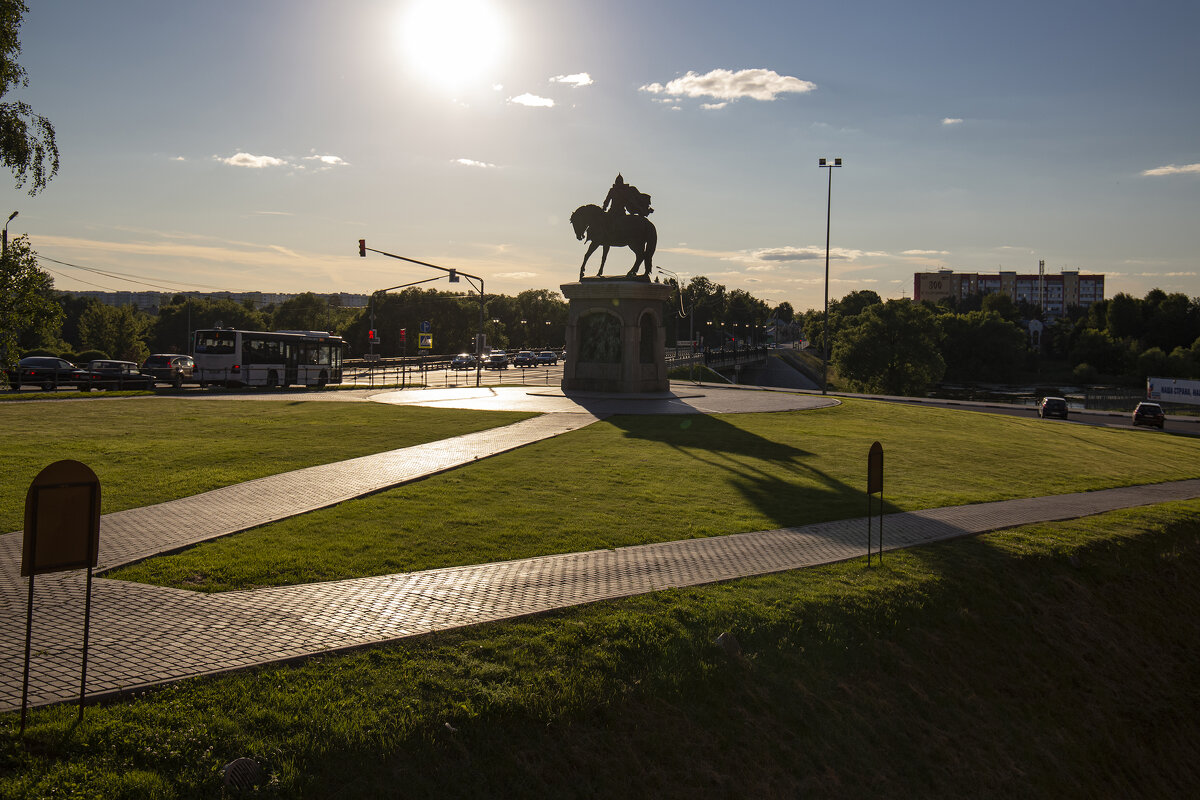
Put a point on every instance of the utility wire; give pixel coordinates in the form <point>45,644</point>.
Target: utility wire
<point>122,276</point>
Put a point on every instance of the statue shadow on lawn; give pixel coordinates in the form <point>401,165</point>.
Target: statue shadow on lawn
<point>814,496</point>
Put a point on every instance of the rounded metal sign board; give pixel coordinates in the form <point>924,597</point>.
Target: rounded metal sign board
<point>875,469</point>
<point>426,327</point>
<point>62,519</point>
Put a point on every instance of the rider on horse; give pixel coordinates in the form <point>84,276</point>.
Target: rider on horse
<point>625,198</point>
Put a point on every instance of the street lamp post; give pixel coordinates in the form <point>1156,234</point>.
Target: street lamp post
<point>4,251</point>
<point>824,164</point>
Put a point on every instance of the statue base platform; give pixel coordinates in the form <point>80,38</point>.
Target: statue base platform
<point>615,336</point>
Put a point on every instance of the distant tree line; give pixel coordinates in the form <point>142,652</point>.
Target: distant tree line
<point>902,347</point>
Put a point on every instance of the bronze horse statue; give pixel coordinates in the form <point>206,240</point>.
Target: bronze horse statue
<point>626,230</point>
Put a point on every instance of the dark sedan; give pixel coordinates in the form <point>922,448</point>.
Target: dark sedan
<point>46,372</point>
<point>117,375</point>
<point>1149,414</point>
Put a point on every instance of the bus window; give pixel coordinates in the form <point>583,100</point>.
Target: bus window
<point>220,343</point>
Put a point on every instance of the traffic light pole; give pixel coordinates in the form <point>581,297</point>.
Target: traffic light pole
<point>454,276</point>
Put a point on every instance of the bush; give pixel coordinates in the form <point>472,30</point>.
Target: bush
<point>36,352</point>
<point>69,356</point>
<point>91,355</point>
<point>1084,373</point>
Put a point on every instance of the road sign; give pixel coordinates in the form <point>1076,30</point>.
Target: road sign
<point>425,341</point>
<point>426,327</point>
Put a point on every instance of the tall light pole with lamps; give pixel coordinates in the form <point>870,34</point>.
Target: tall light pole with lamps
<point>824,164</point>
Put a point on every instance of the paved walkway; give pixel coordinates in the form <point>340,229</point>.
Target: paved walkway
<point>146,635</point>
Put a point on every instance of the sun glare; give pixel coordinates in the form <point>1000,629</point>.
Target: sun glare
<point>452,42</point>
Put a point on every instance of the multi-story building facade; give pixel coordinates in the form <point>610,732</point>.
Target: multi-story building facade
<point>1054,293</point>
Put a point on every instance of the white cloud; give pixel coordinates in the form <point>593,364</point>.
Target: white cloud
<point>1172,169</point>
<point>252,161</point>
<point>532,100</point>
<point>925,252</point>
<point>179,158</point>
<point>467,162</point>
<point>327,162</point>
<point>952,121</point>
<point>811,253</point>
<point>516,275</point>
<point>576,79</point>
<point>713,106</point>
<point>1179,274</point>
<point>724,84</point>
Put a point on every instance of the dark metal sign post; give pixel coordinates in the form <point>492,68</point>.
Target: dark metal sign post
<point>62,532</point>
<point>874,485</point>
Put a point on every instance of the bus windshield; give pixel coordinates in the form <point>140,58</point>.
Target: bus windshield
<point>220,343</point>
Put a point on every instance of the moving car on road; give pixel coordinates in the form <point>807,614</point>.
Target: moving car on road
<point>463,361</point>
<point>117,375</point>
<point>1053,407</point>
<point>170,368</point>
<point>523,359</point>
<point>547,358</point>
<point>47,372</point>
<point>498,359</point>
<point>1149,414</point>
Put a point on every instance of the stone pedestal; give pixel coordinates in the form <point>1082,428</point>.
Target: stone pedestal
<point>615,336</point>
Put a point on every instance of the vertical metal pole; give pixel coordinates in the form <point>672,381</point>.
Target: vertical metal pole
<point>28,638</point>
<point>870,517</point>
<point>479,340</point>
<point>825,332</point>
<point>29,612</point>
<point>881,520</point>
<point>87,620</point>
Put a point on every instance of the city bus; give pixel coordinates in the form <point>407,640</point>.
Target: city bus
<point>228,357</point>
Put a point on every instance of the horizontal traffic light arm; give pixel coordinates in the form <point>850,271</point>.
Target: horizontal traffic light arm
<point>362,249</point>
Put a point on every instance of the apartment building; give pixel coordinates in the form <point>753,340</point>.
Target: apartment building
<point>1054,292</point>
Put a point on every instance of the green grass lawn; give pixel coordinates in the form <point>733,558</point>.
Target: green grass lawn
<point>636,480</point>
<point>1051,661</point>
<point>149,450</point>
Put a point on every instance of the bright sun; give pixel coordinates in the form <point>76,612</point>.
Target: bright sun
<point>453,42</point>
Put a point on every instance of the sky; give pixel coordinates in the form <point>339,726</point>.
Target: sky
<point>249,145</point>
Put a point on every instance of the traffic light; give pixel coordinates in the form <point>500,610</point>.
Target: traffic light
<point>362,247</point>
<point>454,276</point>
<point>403,333</point>
<point>372,336</point>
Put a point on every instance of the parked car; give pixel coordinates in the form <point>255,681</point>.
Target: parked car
<point>170,368</point>
<point>547,357</point>
<point>47,372</point>
<point>1149,414</point>
<point>497,359</point>
<point>1053,407</point>
<point>523,359</point>
<point>117,375</point>
<point>463,361</point>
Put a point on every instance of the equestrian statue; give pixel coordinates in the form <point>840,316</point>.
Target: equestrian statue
<point>621,222</point>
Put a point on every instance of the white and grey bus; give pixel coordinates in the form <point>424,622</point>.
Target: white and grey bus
<point>228,357</point>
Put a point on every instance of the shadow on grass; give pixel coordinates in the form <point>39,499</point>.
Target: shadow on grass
<point>790,490</point>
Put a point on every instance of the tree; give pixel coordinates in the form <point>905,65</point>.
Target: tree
<point>118,330</point>
<point>27,302</point>
<point>27,145</point>
<point>1100,350</point>
<point>891,348</point>
<point>981,346</point>
<point>1003,305</point>
<point>1124,317</point>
